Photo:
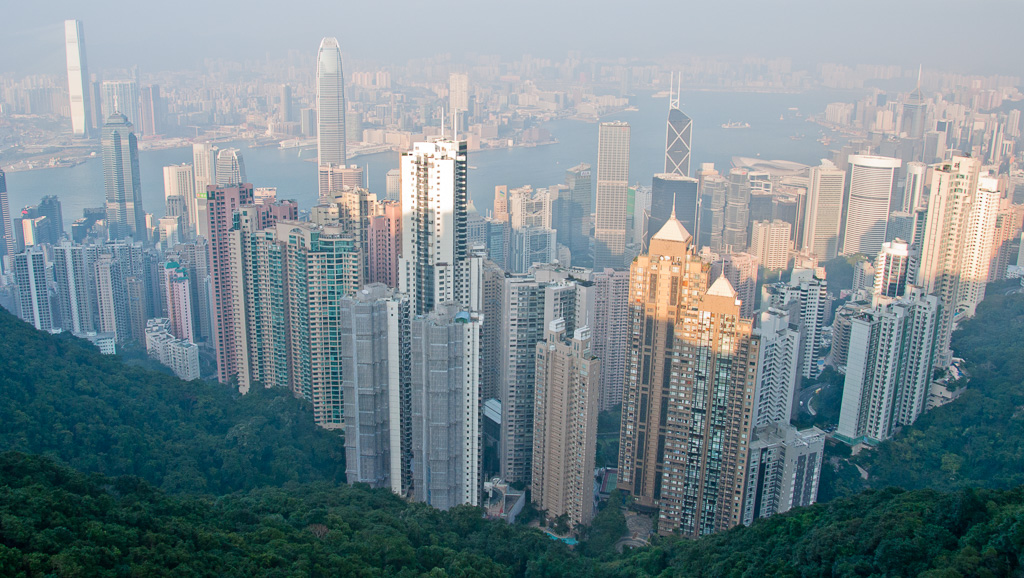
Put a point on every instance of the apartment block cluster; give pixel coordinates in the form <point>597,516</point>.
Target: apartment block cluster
<point>460,354</point>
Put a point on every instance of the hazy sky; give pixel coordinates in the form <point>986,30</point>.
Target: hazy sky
<point>973,36</point>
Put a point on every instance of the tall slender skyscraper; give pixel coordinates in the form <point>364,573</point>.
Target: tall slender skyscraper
<point>125,216</point>
<point>612,182</point>
<point>433,267</point>
<point>565,424</point>
<point>672,192</point>
<point>8,244</point>
<point>204,169</point>
<point>677,138</point>
<point>78,77</point>
<point>330,104</point>
<point>179,181</point>
<point>872,181</point>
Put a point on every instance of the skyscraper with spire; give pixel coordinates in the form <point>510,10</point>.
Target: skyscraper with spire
<point>330,105</point>
<point>686,409</point>
<point>78,77</point>
<point>677,134</point>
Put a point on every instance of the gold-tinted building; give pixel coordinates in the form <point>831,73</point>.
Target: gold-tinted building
<point>688,399</point>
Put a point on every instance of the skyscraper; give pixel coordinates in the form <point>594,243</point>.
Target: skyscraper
<point>612,182</point>
<point>678,131</point>
<point>610,331</point>
<point>778,367</point>
<point>458,98</point>
<point>806,298</point>
<point>78,77</point>
<point>374,377</point>
<point>824,210</point>
<point>230,168</point>
<point>433,267</point>
<point>180,312</point>
<point>125,215</point>
<point>330,104</point>
<point>888,368</point>
<point>872,181</point>
<point>152,111</point>
<point>565,424</point>
<point>891,268</point>
<point>783,470</point>
<point>769,242</point>
<point>737,211</point>
<point>179,181</point>
<point>944,248</point>
<point>581,191</point>
<point>73,272</point>
<point>216,205</point>
<point>981,229</point>
<point>8,244</point>
<point>685,418</point>
<point>446,447</point>
<point>672,192</point>
<point>33,294</point>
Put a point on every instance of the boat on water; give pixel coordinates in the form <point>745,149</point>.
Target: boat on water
<point>736,124</point>
<point>796,137</point>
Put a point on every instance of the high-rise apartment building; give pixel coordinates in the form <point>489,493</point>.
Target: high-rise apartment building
<point>78,78</point>
<point>125,215</point>
<point>433,267</point>
<point>770,243</point>
<point>944,249</point>
<point>330,105</point>
<point>891,268</point>
<point>610,331</point>
<point>888,368</point>
<point>522,327</point>
<point>783,470</point>
<point>385,244</point>
<point>711,222</point>
<point>565,424</point>
<point>216,206</point>
<point>981,230</point>
<point>374,385</point>
<point>230,168</point>
<point>612,181</point>
<point>73,272</point>
<point>180,313</point>
<point>691,373</point>
<point>33,293</point>
<point>914,196</point>
<point>872,182</point>
<point>393,185</point>
<point>824,210</point>
<point>112,297</point>
<point>334,179</point>
<point>446,446</point>
<point>806,298</point>
<point>778,367</point>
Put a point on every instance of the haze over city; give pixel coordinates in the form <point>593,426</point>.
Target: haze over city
<point>532,289</point>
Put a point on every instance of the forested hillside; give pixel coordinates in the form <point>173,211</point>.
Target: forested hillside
<point>977,440</point>
<point>56,520</point>
<point>60,397</point>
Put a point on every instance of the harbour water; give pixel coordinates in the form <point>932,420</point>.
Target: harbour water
<point>772,124</point>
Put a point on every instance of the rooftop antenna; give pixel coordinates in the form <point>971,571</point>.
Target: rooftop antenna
<point>673,217</point>
<point>442,122</point>
<point>673,95</point>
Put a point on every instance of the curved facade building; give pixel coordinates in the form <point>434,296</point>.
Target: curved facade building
<point>125,216</point>
<point>872,180</point>
<point>330,104</point>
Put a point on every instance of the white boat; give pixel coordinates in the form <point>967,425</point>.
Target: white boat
<point>737,124</point>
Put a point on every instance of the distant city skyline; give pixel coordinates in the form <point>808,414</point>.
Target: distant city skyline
<point>115,42</point>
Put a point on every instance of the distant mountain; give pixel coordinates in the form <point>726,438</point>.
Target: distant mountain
<point>60,397</point>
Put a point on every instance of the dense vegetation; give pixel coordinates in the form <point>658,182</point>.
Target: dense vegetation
<point>56,521</point>
<point>190,479</point>
<point>60,397</point>
<point>977,440</point>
